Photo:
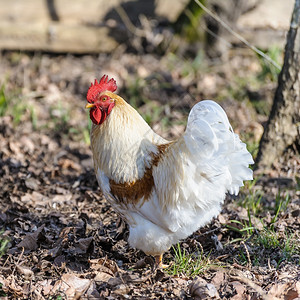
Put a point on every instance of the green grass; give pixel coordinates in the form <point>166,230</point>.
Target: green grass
<point>188,264</point>
<point>245,230</point>
<point>281,204</point>
<point>269,71</point>
<point>59,120</point>
<point>252,202</point>
<point>154,113</point>
<point>187,67</point>
<point>260,229</point>
<point>2,293</point>
<point>266,244</point>
<point>3,244</point>
<point>285,246</point>
<point>11,103</point>
<point>188,23</point>
<point>239,88</point>
<point>3,101</point>
<point>57,297</point>
<point>59,117</point>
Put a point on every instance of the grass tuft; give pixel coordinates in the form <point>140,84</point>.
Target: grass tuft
<point>188,264</point>
<point>260,230</point>
<point>269,71</point>
<point>14,105</point>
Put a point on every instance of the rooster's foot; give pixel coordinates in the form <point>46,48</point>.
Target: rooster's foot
<point>158,262</point>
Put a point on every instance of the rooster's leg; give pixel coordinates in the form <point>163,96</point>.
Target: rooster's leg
<point>158,262</point>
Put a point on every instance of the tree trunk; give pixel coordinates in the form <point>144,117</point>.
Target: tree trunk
<point>283,128</point>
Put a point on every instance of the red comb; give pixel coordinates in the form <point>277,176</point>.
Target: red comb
<point>103,85</point>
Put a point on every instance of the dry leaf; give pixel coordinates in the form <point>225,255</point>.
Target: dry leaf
<point>85,243</point>
<point>122,290</point>
<point>66,163</point>
<point>97,264</point>
<point>287,290</point>
<point>71,284</point>
<point>200,289</point>
<point>27,144</point>
<point>114,281</point>
<point>240,289</point>
<point>32,183</point>
<point>219,278</point>
<point>26,272</point>
<point>46,286</point>
<point>102,277</point>
<point>29,242</point>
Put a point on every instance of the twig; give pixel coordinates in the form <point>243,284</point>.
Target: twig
<point>239,37</point>
<point>201,248</point>
<point>127,22</point>
<point>19,258</point>
<point>248,255</point>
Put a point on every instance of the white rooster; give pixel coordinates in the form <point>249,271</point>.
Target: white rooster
<point>164,190</point>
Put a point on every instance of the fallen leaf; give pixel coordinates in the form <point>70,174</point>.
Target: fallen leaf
<point>219,278</point>
<point>102,277</point>
<point>27,144</point>
<point>140,264</point>
<point>217,243</point>
<point>222,219</point>
<point>292,294</point>
<point>46,286</point>
<point>9,285</point>
<point>240,289</point>
<point>85,243</point>
<point>122,290</point>
<point>98,264</point>
<point>26,272</point>
<point>29,242</point>
<point>14,147</point>
<point>32,183</point>
<point>200,289</point>
<point>114,281</point>
<point>71,285</point>
<point>285,290</point>
<point>66,163</point>
<point>61,199</point>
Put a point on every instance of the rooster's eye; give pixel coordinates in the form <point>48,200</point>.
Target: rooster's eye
<point>104,99</point>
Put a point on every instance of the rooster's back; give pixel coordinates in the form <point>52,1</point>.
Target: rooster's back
<point>191,180</point>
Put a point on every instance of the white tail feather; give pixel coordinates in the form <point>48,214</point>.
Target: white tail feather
<point>209,132</point>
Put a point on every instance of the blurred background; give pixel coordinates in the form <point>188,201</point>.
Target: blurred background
<point>164,54</point>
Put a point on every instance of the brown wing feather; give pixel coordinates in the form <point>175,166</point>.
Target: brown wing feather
<point>132,192</point>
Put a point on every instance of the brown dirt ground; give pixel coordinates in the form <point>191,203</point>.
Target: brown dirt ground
<point>64,239</point>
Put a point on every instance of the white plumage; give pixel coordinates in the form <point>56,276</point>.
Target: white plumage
<point>190,179</point>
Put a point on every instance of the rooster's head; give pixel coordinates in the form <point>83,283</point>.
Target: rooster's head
<point>99,99</point>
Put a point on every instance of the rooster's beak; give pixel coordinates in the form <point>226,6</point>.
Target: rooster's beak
<point>89,105</point>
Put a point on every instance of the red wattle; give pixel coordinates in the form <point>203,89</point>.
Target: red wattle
<point>110,107</point>
<point>103,117</point>
<point>96,115</point>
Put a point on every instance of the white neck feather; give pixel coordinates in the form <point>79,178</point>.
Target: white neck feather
<point>123,144</point>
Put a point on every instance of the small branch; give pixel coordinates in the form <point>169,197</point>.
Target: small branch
<point>127,22</point>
